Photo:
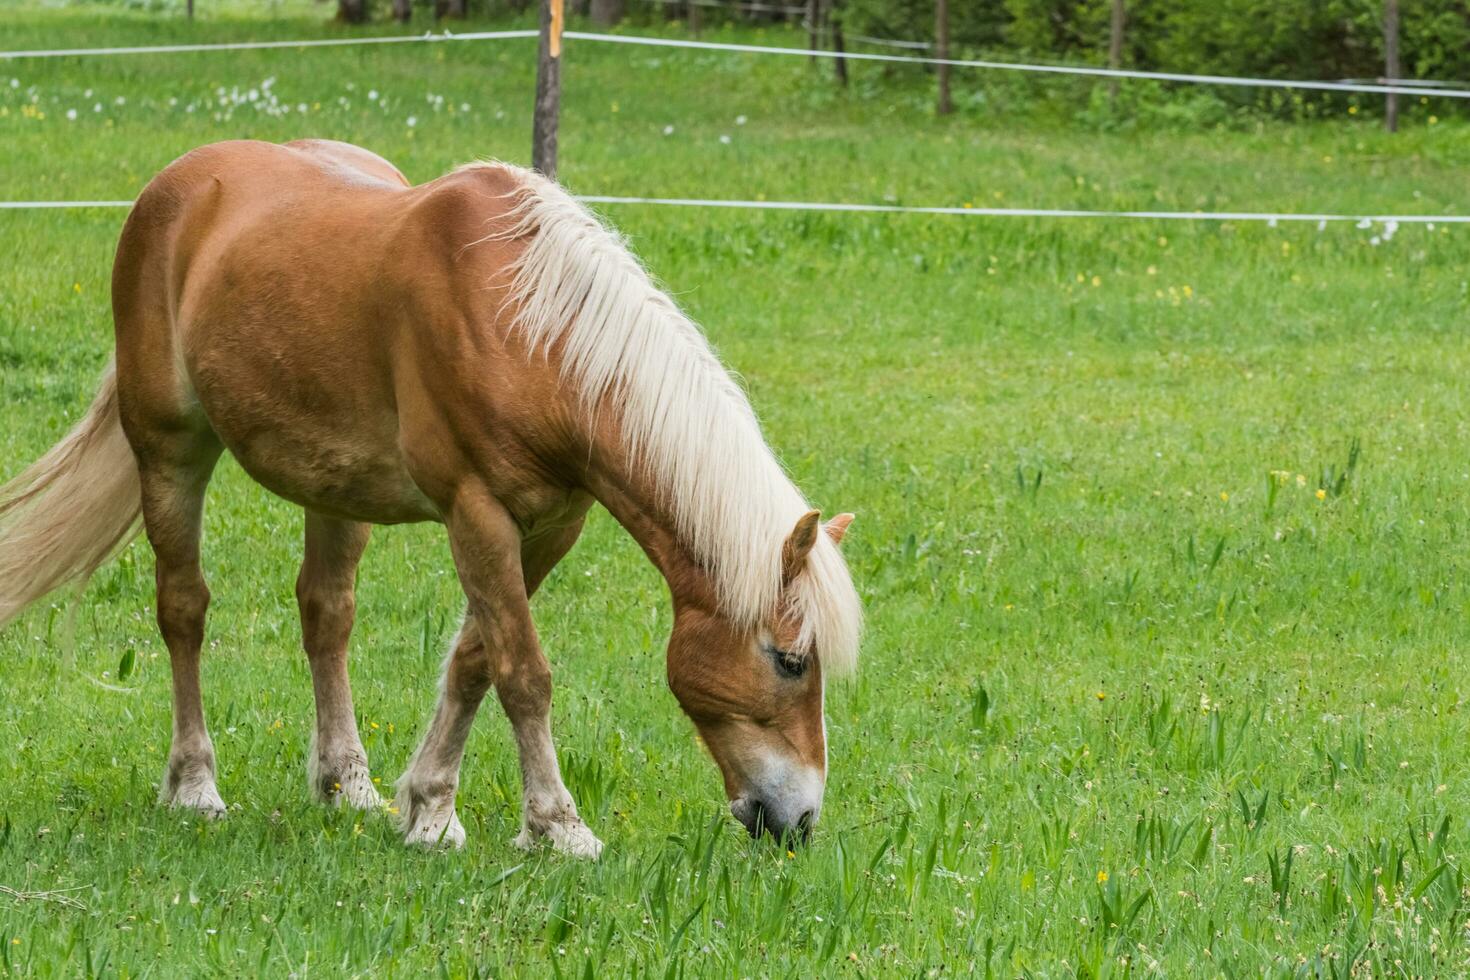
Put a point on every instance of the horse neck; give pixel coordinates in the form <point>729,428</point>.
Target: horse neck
<point>620,484</point>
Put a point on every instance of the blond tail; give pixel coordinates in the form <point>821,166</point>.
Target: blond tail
<point>71,510</point>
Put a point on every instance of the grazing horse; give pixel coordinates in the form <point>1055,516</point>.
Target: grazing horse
<point>478,351</point>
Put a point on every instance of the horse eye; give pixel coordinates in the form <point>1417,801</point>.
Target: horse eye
<point>787,663</point>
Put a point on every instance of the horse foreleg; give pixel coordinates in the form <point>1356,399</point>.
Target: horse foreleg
<point>336,765</point>
<point>425,791</point>
<point>548,807</point>
<point>496,646</point>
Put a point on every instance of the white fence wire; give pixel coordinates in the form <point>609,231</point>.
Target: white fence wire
<point>1269,217</point>
<point>1407,87</point>
<point>766,49</point>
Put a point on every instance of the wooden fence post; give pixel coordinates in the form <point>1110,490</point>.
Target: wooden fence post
<point>1391,63</point>
<point>191,9</point>
<point>548,89</point>
<point>941,51</point>
<point>1115,45</point>
<point>839,62</point>
<point>693,18</point>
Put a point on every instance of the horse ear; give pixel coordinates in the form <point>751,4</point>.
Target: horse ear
<point>799,544</point>
<point>836,528</point>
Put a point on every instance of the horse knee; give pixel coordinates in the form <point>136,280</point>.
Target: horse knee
<point>470,672</point>
<point>525,690</point>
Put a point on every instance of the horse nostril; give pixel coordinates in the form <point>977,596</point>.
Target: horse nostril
<point>758,822</point>
<point>804,826</point>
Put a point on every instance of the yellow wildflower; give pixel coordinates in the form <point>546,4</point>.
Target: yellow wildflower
<point>1102,876</point>
<point>1224,496</point>
<point>1321,494</point>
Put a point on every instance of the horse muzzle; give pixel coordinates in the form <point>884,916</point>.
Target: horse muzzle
<point>759,819</point>
<point>787,808</point>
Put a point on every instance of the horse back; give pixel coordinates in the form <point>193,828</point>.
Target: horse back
<point>341,332</point>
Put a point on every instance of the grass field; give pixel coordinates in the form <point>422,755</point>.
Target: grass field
<point>1156,680</point>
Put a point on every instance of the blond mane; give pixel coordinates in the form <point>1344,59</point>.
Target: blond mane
<point>577,285</point>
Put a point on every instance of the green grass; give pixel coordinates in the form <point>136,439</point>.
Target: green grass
<point>1113,630</point>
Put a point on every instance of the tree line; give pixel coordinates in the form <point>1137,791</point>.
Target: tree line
<point>1321,39</point>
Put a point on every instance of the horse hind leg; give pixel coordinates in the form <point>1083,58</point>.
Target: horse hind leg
<point>337,768</point>
<point>173,472</point>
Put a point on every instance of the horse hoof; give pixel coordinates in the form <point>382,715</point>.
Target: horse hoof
<point>568,838</point>
<point>203,800</point>
<point>577,841</point>
<point>362,798</point>
<point>355,790</point>
<point>435,831</point>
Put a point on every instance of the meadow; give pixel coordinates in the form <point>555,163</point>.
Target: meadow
<point>1162,533</point>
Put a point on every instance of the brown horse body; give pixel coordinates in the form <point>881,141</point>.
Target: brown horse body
<point>476,351</point>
